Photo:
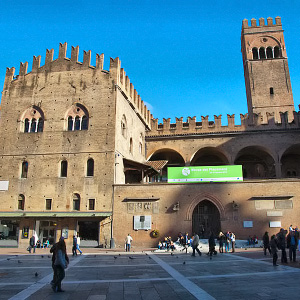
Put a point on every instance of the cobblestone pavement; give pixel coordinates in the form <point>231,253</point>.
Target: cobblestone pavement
<point>110,275</point>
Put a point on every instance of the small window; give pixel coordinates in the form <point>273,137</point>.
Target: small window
<point>90,167</point>
<point>21,202</point>
<point>70,123</point>
<point>24,171</point>
<point>91,204</point>
<point>48,204</point>
<point>26,128</point>
<point>277,52</point>
<point>64,169</point>
<point>77,123</point>
<point>76,202</point>
<point>33,125</point>
<point>40,125</point>
<point>84,123</point>
<point>269,52</point>
<point>271,91</point>
<point>255,53</point>
<point>130,145</point>
<point>262,53</point>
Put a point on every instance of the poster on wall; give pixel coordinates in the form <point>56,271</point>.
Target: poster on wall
<point>65,232</point>
<point>205,174</point>
<point>25,232</point>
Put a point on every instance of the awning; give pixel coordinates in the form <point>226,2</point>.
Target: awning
<point>157,164</point>
<point>271,197</point>
<point>54,214</point>
<point>145,168</point>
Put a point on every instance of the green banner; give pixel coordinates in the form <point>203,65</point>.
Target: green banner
<point>205,174</point>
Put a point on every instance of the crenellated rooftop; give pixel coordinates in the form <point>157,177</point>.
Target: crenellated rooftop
<point>192,126</point>
<point>63,63</point>
<point>265,25</point>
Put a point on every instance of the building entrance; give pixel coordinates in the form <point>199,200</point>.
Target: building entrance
<point>206,218</point>
<point>89,233</point>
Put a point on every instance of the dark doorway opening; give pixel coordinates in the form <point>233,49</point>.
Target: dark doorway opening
<point>206,218</point>
<point>88,232</point>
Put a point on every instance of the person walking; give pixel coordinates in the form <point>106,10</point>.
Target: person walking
<point>266,243</point>
<point>195,244</point>
<point>53,251</point>
<point>74,248</point>
<point>78,244</point>
<point>60,264</point>
<point>128,241</point>
<point>211,245</point>
<point>32,244</point>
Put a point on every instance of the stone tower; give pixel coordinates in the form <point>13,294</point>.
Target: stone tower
<point>267,78</point>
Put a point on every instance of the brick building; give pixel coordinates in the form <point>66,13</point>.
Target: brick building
<point>81,153</point>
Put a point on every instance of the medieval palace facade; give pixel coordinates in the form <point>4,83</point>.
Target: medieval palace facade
<point>81,153</point>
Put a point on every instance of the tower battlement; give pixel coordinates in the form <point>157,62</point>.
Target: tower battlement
<point>192,126</point>
<point>63,63</point>
<point>269,22</point>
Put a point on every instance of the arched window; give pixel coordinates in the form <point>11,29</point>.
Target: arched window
<point>269,52</point>
<point>131,146</point>
<point>77,118</point>
<point>277,52</point>
<point>90,167</point>
<point>24,171</point>
<point>262,53</point>
<point>124,126</point>
<point>255,53</point>
<point>64,168</point>
<point>33,120</point>
<point>21,202</point>
<point>76,202</point>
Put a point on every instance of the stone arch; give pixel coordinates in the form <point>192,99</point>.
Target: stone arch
<point>290,162</point>
<point>32,120</point>
<point>201,197</point>
<point>173,158</point>
<point>77,117</point>
<point>257,162</point>
<point>209,156</point>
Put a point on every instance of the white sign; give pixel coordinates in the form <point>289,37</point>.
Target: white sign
<point>248,224</point>
<point>275,224</point>
<point>4,185</point>
<point>142,222</point>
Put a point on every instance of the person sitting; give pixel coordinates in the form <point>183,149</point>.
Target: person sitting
<point>46,244</point>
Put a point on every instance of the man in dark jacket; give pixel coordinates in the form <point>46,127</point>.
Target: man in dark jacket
<point>74,248</point>
<point>292,242</point>
<point>273,245</point>
<point>32,244</point>
<point>266,242</point>
<point>281,241</point>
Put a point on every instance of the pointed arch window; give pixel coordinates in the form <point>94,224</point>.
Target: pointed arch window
<point>76,202</point>
<point>90,167</point>
<point>64,168</point>
<point>77,118</point>
<point>21,202</point>
<point>24,171</point>
<point>33,120</point>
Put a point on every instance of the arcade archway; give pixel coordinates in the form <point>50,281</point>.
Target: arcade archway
<point>206,218</point>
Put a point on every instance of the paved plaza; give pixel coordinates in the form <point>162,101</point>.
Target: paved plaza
<point>107,275</point>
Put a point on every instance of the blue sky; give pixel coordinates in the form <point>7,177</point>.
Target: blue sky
<point>183,57</point>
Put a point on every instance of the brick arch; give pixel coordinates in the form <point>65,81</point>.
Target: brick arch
<point>199,198</point>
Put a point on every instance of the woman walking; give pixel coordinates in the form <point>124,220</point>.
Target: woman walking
<point>60,264</point>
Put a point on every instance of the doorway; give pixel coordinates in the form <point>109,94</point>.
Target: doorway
<point>89,233</point>
<point>206,218</point>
